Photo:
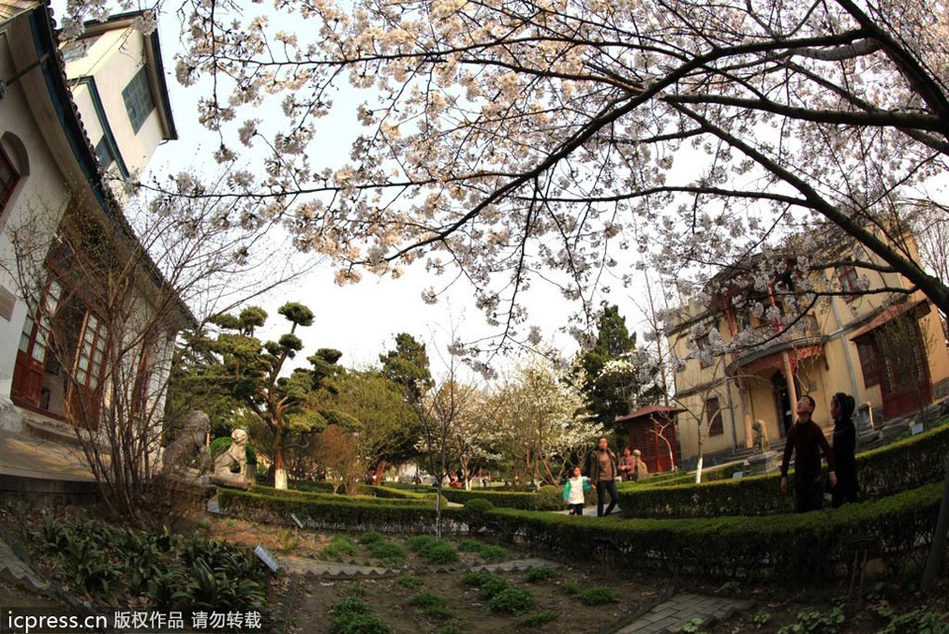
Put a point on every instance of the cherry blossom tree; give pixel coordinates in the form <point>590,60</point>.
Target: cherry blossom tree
<point>516,143</point>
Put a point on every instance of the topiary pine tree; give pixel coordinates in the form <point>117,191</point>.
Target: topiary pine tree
<point>249,371</point>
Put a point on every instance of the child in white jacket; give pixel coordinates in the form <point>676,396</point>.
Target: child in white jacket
<point>573,491</point>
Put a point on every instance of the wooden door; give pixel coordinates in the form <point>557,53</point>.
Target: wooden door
<point>905,383</point>
<point>34,351</point>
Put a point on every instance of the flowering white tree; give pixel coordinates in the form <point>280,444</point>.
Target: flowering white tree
<point>513,140</point>
<point>539,129</point>
<point>540,416</point>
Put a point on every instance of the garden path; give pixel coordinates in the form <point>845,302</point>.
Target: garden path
<point>683,609</point>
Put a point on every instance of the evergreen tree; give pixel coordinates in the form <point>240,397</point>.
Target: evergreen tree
<point>407,365</point>
<point>610,373</point>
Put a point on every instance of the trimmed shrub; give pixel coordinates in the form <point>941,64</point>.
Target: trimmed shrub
<point>432,550</point>
<point>336,512</point>
<point>540,573</point>
<point>408,581</point>
<point>488,552</point>
<point>494,585</point>
<point>341,546</point>
<point>598,596</point>
<point>339,498</point>
<point>512,601</point>
<point>549,498</point>
<point>426,600</point>
<point>439,553</point>
<point>370,537</point>
<point>476,579</point>
<point>420,542</point>
<point>797,547</point>
<point>352,615</point>
<point>897,467</point>
<point>478,505</point>
<point>387,551</point>
<point>539,618</point>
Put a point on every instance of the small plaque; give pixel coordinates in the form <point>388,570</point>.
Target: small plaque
<point>916,429</point>
<point>737,475</point>
<point>269,560</point>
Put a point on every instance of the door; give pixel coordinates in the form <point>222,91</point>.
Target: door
<point>905,384</point>
<point>782,402</point>
<point>34,352</point>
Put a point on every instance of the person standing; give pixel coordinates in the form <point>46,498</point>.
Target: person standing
<point>640,470</point>
<point>806,440</point>
<point>573,492</point>
<point>845,446</point>
<point>627,465</point>
<point>603,471</point>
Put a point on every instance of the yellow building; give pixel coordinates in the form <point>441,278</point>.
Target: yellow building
<point>738,352</point>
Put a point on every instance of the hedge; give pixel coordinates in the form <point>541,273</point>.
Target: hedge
<point>379,491</point>
<point>343,499</point>
<point>792,546</point>
<point>549,498</point>
<point>326,513</point>
<point>884,471</point>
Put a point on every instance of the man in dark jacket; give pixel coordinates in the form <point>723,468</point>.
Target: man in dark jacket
<point>806,440</point>
<point>845,446</point>
<point>603,470</point>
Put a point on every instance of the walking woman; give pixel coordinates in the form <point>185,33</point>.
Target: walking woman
<point>845,445</point>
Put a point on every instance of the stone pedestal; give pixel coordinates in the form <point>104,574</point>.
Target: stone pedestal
<point>763,462</point>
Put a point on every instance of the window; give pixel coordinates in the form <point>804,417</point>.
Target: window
<point>36,335</point>
<point>104,154</point>
<point>868,363</point>
<point>91,352</point>
<point>713,412</point>
<point>8,178</point>
<point>138,99</point>
<point>849,283</point>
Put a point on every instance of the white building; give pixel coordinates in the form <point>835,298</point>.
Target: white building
<point>67,117</point>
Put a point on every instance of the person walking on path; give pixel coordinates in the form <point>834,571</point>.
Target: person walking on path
<point>806,440</point>
<point>845,446</point>
<point>603,471</point>
<point>573,492</point>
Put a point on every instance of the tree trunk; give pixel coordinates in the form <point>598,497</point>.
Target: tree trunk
<point>380,468</point>
<point>279,468</point>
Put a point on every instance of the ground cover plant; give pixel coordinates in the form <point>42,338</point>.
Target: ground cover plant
<point>122,566</point>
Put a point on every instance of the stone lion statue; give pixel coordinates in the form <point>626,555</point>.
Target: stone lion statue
<point>760,436</point>
<point>189,447</point>
<point>236,455</point>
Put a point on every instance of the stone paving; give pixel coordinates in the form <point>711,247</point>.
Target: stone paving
<point>27,456</point>
<point>16,571</point>
<point>682,609</point>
